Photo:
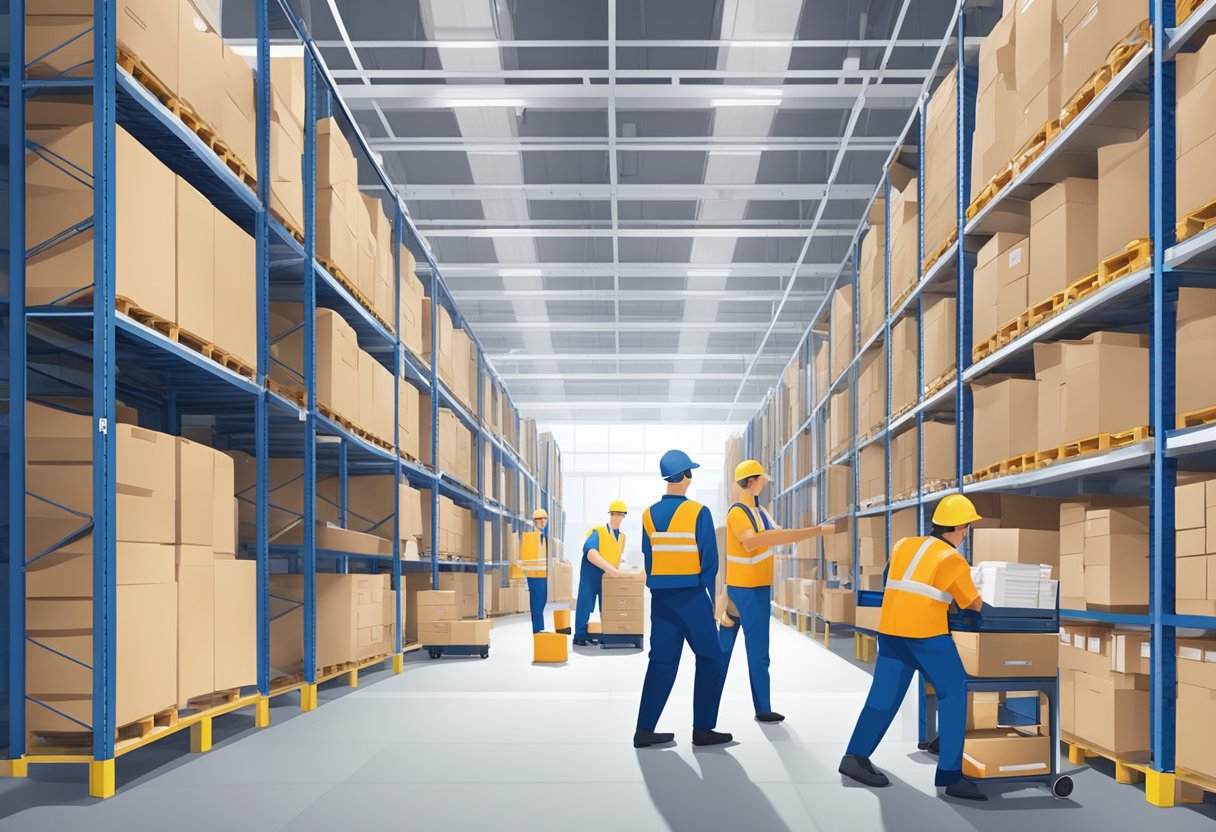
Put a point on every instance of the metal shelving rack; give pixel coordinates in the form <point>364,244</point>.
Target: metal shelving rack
<point>1145,301</point>
<point>248,414</point>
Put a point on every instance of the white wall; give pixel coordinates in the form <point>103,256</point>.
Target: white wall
<point>602,462</point>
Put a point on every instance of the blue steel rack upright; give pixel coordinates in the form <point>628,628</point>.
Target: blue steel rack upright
<point>249,414</point>
<point>1145,300</point>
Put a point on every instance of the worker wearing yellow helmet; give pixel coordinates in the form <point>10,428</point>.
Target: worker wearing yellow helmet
<point>924,575</point>
<point>750,536</point>
<point>534,561</point>
<point>602,552</point>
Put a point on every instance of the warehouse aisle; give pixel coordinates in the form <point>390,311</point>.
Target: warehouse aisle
<point>463,743</point>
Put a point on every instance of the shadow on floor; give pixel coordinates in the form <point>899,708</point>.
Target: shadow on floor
<point>720,797</point>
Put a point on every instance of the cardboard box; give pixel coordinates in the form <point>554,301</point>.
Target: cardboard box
<point>1008,409</point>
<point>940,337</point>
<point>1117,585</point>
<point>627,585</point>
<point>1016,546</point>
<point>1006,752</point>
<point>984,291</point>
<point>238,124</point>
<point>1122,195</point>
<point>337,363</point>
<point>145,657</point>
<point>983,708</point>
<point>839,606</point>
<point>235,291</point>
<point>195,632</point>
<point>200,66</point>
<point>1196,330</point>
<point>1064,237</point>
<point>1098,385</point>
<point>1112,718</point>
<point>1196,750</point>
<point>68,572</point>
<point>842,329</point>
<point>1091,29</point>
<point>1039,59</point>
<point>905,265</point>
<point>140,519</point>
<point>840,490</point>
<point>905,345</point>
<point>1008,654</point>
<point>236,614</point>
<point>195,262</point>
<point>872,280</point>
<point>1013,276</point>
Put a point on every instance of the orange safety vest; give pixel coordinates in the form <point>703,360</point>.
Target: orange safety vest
<point>674,551</point>
<point>611,547</point>
<point>913,604</point>
<point>533,557</point>
<point>744,568</point>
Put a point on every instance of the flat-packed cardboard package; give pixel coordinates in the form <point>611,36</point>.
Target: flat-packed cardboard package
<point>1008,654</point>
<point>1008,409</point>
<point>1122,195</point>
<point>1006,752</point>
<point>1063,237</point>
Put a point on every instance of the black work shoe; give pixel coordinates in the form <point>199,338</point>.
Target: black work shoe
<point>700,737</point>
<point>769,716</point>
<point>645,739</point>
<point>863,771</point>
<point>579,642</point>
<point>965,790</point>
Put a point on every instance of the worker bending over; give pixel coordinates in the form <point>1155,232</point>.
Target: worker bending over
<point>681,551</point>
<point>750,536</point>
<point>534,560</point>
<point>923,576</point>
<point>601,555</point>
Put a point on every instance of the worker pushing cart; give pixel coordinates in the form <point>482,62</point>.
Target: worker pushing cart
<point>602,552</point>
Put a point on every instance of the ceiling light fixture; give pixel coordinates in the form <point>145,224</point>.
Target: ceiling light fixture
<point>482,102</point>
<point>745,102</point>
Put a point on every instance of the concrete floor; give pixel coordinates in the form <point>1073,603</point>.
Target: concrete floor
<point>466,743</point>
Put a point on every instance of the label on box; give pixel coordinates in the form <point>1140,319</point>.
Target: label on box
<point>1015,257</point>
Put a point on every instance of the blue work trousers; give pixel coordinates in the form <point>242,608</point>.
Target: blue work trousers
<point>590,591</point>
<point>538,596</point>
<point>676,616</point>
<point>937,658</point>
<point>754,605</point>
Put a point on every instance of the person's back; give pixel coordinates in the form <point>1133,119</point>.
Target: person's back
<point>924,575</point>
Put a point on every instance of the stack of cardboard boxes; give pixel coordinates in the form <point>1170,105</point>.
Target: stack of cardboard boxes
<point>995,140</point>
<point>840,490</point>
<point>905,265</point>
<point>456,531</point>
<point>939,458</point>
<point>622,605</point>
<point>842,330</point>
<point>872,474</point>
<point>940,337</point>
<point>1096,385</point>
<point>456,444</point>
<point>872,391</point>
<point>185,606</point>
<point>440,622</point>
<point>905,346</point>
<point>1195,383</point>
<point>1008,410</point>
<point>940,166</point>
<point>1195,126</point>
<point>872,268</point>
<point>1196,748</point>
<point>1194,543</point>
<point>840,422</point>
<point>1104,698</point>
<point>1001,282</point>
<point>1103,557</point>
<point>465,585</point>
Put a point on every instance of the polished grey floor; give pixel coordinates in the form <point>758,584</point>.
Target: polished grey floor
<point>470,744</point>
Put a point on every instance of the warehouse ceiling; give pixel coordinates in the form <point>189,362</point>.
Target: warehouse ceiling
<point>638,204</point>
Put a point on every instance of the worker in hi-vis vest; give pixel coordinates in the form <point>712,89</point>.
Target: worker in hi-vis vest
<point>750,536</point>
<point>924,575</point>
<point>681,552</point>
<point>601,556</point>
<point>534,561</point>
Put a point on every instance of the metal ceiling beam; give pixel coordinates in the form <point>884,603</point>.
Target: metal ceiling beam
<point>650,144</point>
<point>611,404</point>
<point>733,295</point>
<point>501,232</point>
<point>437,224</point>
<point>711,43</point>
<point>625,356</point>
<point>634,97</point>
<point>693,272</point>
<point>618,375</point>
<point>632,326</point>
<point>584,75</point>
<point>603,191</point>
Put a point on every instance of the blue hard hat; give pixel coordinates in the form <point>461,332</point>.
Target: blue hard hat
<point>674,463</point>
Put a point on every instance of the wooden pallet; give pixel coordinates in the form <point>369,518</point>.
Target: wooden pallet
<point>1100,442</point>
<point>1034,146</point>
<point>939,383</point>
<point>292,229</point>
<point>1199,220</point>
<point>300,397</point>
<point>931,259</point>
<point>1197,418</point>
<point>211,700</point>
<point>184,337</point>
<point>1129,768</point>
<point>139,729</point>
<point>1184,9</point>
<point>903,296</point>
<point>1006,467</point>
<point>1133,258</point>
<point>188,116</point>
<point>1118,58</point>
<point>995,185</point>
<point>355,291</point>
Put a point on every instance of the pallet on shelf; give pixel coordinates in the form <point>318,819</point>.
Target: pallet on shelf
<point>1199,220</point>
<point>292,229</point>
<point>932,258</point>
<point>1197,418</point>
<point>1118,58</point>
<point>1129,767</point>
<point>1031,461</point>
<point>182,336</point>
<point>355,291</point>
<point>994,186</point>
<point>1184,9</point>
<point>43,741</point>
<point>940,383</point>
<point>1133,258</point>
<point>1104,442</point>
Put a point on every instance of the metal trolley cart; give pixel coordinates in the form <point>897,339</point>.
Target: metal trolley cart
<point>609,640</point>
<point>1010,620</point>
<point>436,651</point>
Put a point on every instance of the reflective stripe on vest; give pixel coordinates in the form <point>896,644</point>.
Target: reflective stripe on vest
<point>674,550</point>
<point>744,569</point>
<point>905,583</point>
<point>610,546</point>
<point>533,556</point>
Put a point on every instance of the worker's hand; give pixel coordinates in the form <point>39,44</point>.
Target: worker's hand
<point>977,605</point>
<point>827,529</point>
<point>613,573</point>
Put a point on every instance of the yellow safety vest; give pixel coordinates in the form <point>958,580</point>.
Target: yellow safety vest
<point>674,551</point>
<point>914,605</point>
<point>533,556</point>
<point>744,568</point>
<point>610,546</point>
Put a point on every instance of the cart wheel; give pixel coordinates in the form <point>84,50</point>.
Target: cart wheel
<point>434,654</point>
<point>1062,787</point>
<point>603,646</point>
<point>485,654</point>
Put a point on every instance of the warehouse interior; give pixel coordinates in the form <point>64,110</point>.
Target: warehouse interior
<point>680,414</point>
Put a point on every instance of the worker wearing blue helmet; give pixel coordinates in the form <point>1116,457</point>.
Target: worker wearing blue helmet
<point>681,552</point>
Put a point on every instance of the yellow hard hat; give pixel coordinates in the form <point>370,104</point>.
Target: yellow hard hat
<point>540,514</point>
<point>749,468</point>
<point>618,505</point>
<point>954,511</point>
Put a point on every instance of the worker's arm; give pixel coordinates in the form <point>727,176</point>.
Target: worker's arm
<point>753,540</point>
<point>707,544</point>
<point>595,557</point>
<point>961,588</point>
